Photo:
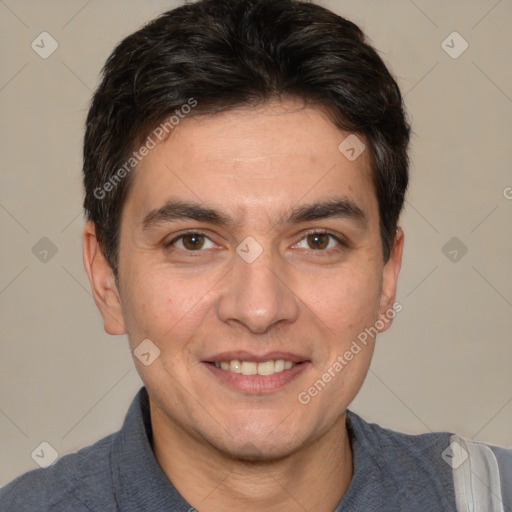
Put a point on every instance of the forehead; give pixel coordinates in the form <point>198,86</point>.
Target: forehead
<point>254,162</point>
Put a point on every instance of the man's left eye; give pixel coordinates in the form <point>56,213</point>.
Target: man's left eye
<point>320,241</point>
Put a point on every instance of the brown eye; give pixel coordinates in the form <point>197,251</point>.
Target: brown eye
<point>318,240</point>
<point>322,242</point>
<point>193,241</point>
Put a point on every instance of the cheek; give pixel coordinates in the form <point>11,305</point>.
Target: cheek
<point>163,305</point>
<point>350,301</point>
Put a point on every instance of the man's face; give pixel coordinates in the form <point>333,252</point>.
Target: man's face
<point>255,284</point>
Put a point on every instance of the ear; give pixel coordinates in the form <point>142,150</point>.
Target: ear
<point>103,285</point>
<point>389,281</point>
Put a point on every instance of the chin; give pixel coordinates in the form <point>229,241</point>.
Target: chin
<point>259,444</point>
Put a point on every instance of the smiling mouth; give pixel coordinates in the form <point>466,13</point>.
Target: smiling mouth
<point>263,369</point>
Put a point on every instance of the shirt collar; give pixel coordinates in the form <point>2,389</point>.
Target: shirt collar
<point>139,482</point>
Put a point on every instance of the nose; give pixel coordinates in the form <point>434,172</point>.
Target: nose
<point>258,294</point>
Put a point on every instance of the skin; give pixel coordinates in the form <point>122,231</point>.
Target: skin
<point>223,448</point>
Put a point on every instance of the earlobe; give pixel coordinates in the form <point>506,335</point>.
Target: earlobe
<point>390,279</point>
<point>103,285</point>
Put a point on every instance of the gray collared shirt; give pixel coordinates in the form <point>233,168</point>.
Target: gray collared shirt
<point>392,472</point>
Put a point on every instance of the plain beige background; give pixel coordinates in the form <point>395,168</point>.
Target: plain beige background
<point>446,362</point>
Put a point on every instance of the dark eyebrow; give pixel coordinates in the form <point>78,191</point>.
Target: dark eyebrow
<point>338,207</point>
<point>175,210</point>
<point>178,210</point>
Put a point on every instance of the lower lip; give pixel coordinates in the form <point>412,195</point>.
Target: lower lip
<point>257,384</point>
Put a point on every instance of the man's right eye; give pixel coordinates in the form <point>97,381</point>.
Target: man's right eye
<point>191,241</point>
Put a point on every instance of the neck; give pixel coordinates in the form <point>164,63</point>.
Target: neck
<point>315,477</point>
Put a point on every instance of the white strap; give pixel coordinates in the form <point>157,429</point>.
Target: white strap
<point>476,476</point>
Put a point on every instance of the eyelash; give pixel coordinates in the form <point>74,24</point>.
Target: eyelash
<point>342,243</point>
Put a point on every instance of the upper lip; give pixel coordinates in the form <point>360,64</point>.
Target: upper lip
<point>243,355</point>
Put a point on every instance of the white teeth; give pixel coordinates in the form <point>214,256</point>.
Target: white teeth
<point>266,368</point>
<point>252,368</point>
<point>279,365</point>
<point>235,366</point>
<point>249,368</point>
